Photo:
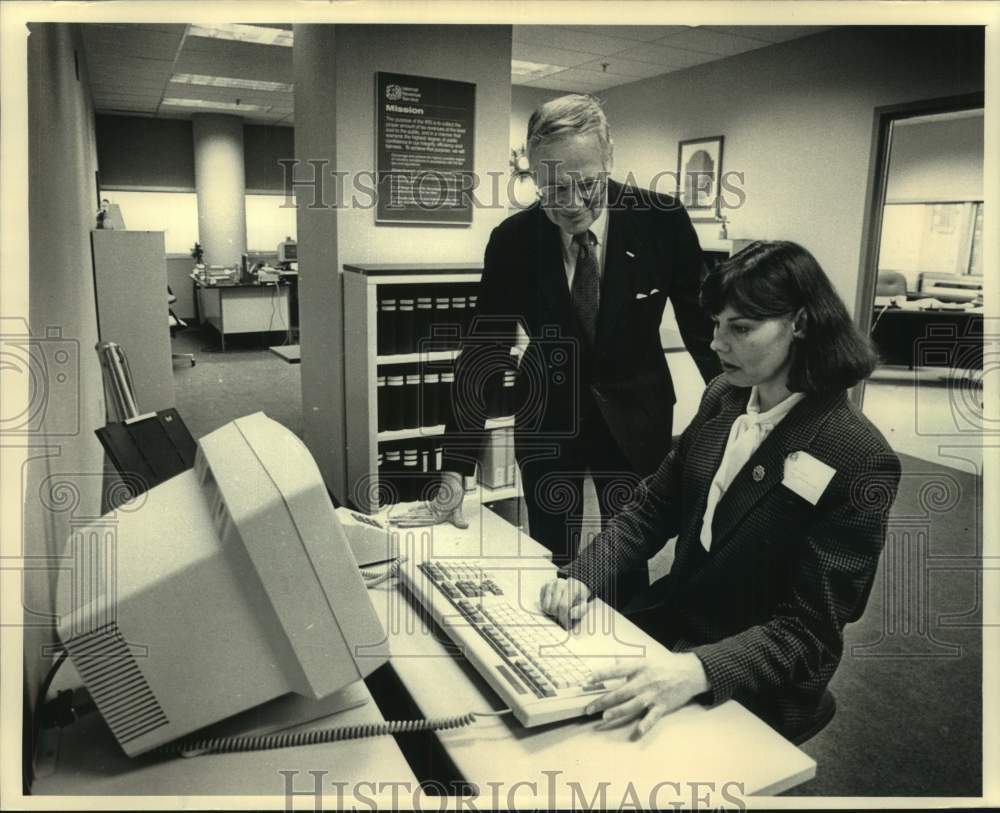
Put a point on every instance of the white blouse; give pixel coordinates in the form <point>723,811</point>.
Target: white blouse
<point>748,432</point>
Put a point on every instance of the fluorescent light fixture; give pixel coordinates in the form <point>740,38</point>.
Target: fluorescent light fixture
<point>208,105</point>
<point>259,34</point>
<point>519,67</point>
<point>230,82</point>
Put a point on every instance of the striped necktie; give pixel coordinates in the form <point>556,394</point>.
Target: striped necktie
<point>586,292</point>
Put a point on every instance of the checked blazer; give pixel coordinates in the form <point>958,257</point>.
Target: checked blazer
<point>764,610</point>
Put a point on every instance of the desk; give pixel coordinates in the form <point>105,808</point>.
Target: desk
<point>723,745</point>
<point>90,763</point>
<point>673,764</point>
<point>919,338</point>
<point>243,307</point>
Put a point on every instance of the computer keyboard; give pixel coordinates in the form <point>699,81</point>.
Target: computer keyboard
<point>490,610</point>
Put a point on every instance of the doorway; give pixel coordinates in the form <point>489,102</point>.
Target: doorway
<point>920,296</point>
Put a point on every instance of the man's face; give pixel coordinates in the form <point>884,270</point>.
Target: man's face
<point>571,176</point>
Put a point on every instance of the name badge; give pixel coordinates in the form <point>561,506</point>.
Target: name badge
<point>807,476</point>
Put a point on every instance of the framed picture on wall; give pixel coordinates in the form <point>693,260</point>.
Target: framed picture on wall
<point>699,173</point>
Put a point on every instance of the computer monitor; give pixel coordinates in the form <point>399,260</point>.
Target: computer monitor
<point>288,251</point>
<point>233,585</point>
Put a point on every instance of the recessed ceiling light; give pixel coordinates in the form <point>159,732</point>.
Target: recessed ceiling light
<point>519,67</point>
<point>259,34</point>
<point>206,104</point>
<point>230,82</point>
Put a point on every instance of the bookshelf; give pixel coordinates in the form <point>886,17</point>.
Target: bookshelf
<point>365,286</point>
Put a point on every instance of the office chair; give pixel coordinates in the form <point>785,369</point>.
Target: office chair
<point>890,283</point>
<point>176,324</point>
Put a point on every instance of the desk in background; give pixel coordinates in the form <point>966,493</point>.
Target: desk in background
<point>243,307</point>
<point>929,338</point>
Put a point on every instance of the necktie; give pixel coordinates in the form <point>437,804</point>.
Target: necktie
<point>586,292</point>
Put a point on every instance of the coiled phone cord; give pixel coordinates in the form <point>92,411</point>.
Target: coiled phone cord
<point>373,578</point>
<point>264,742</point>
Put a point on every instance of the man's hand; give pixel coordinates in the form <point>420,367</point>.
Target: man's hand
<point>654,687</point>
<point>565,600</point>
<point>445,507</point>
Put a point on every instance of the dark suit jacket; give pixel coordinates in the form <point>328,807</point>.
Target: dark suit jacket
<point>651,245</point>
<point>765,608</point>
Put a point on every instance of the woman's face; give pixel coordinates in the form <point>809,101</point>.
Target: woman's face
<point>753,352</point>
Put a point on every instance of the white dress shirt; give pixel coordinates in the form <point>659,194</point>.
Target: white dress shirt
<point>570,250</point>
<point>748,432</point>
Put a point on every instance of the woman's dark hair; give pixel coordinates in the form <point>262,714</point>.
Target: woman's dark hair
<point>769,279</point>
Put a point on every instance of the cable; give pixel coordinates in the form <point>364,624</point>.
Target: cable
<point>373,578</point>
<point>879,316</point>
<point>265,742</point>
<point>36,721</point>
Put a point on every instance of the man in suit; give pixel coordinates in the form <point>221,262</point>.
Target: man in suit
<point>586,273</point>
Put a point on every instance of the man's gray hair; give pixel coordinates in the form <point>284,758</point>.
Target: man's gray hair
<point>575,114</point>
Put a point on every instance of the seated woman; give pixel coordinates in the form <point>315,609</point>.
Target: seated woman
<point>778,493</point>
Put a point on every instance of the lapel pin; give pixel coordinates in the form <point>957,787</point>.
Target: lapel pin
<point>630,255</point>
<point>758,473</point>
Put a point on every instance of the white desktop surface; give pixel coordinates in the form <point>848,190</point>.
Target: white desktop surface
<point>726,744</point>
<point>90,763</point>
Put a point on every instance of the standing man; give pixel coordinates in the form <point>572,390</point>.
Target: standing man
<point>586,273</point>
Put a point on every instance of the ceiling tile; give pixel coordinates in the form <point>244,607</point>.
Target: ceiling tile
<point>230,58</point>
<point>670,58</point>
<point>770,33</point>
<point>568,39</point>
<point>720,43</point>
<point>144,43</point>
<point>555,83</point>
<point>575,79</point>
<point>127,71</point>
<point>182,91</point>
<point>642,33</point>
<point>128,29</point>
<point>626,69</point>
<point>135,84</point>
<point>549,56</point>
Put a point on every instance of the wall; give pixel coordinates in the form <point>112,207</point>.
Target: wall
<point>936,161</point>
<point>481,56</point>
<point>64,478</point>
<point>335,70</point>
<point>797,119</point>
<point>523,101</point>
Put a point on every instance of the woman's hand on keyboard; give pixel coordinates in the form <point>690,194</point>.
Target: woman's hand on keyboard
<point>655,686</point>
<point>445,507</point>
<point>566,600</point>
